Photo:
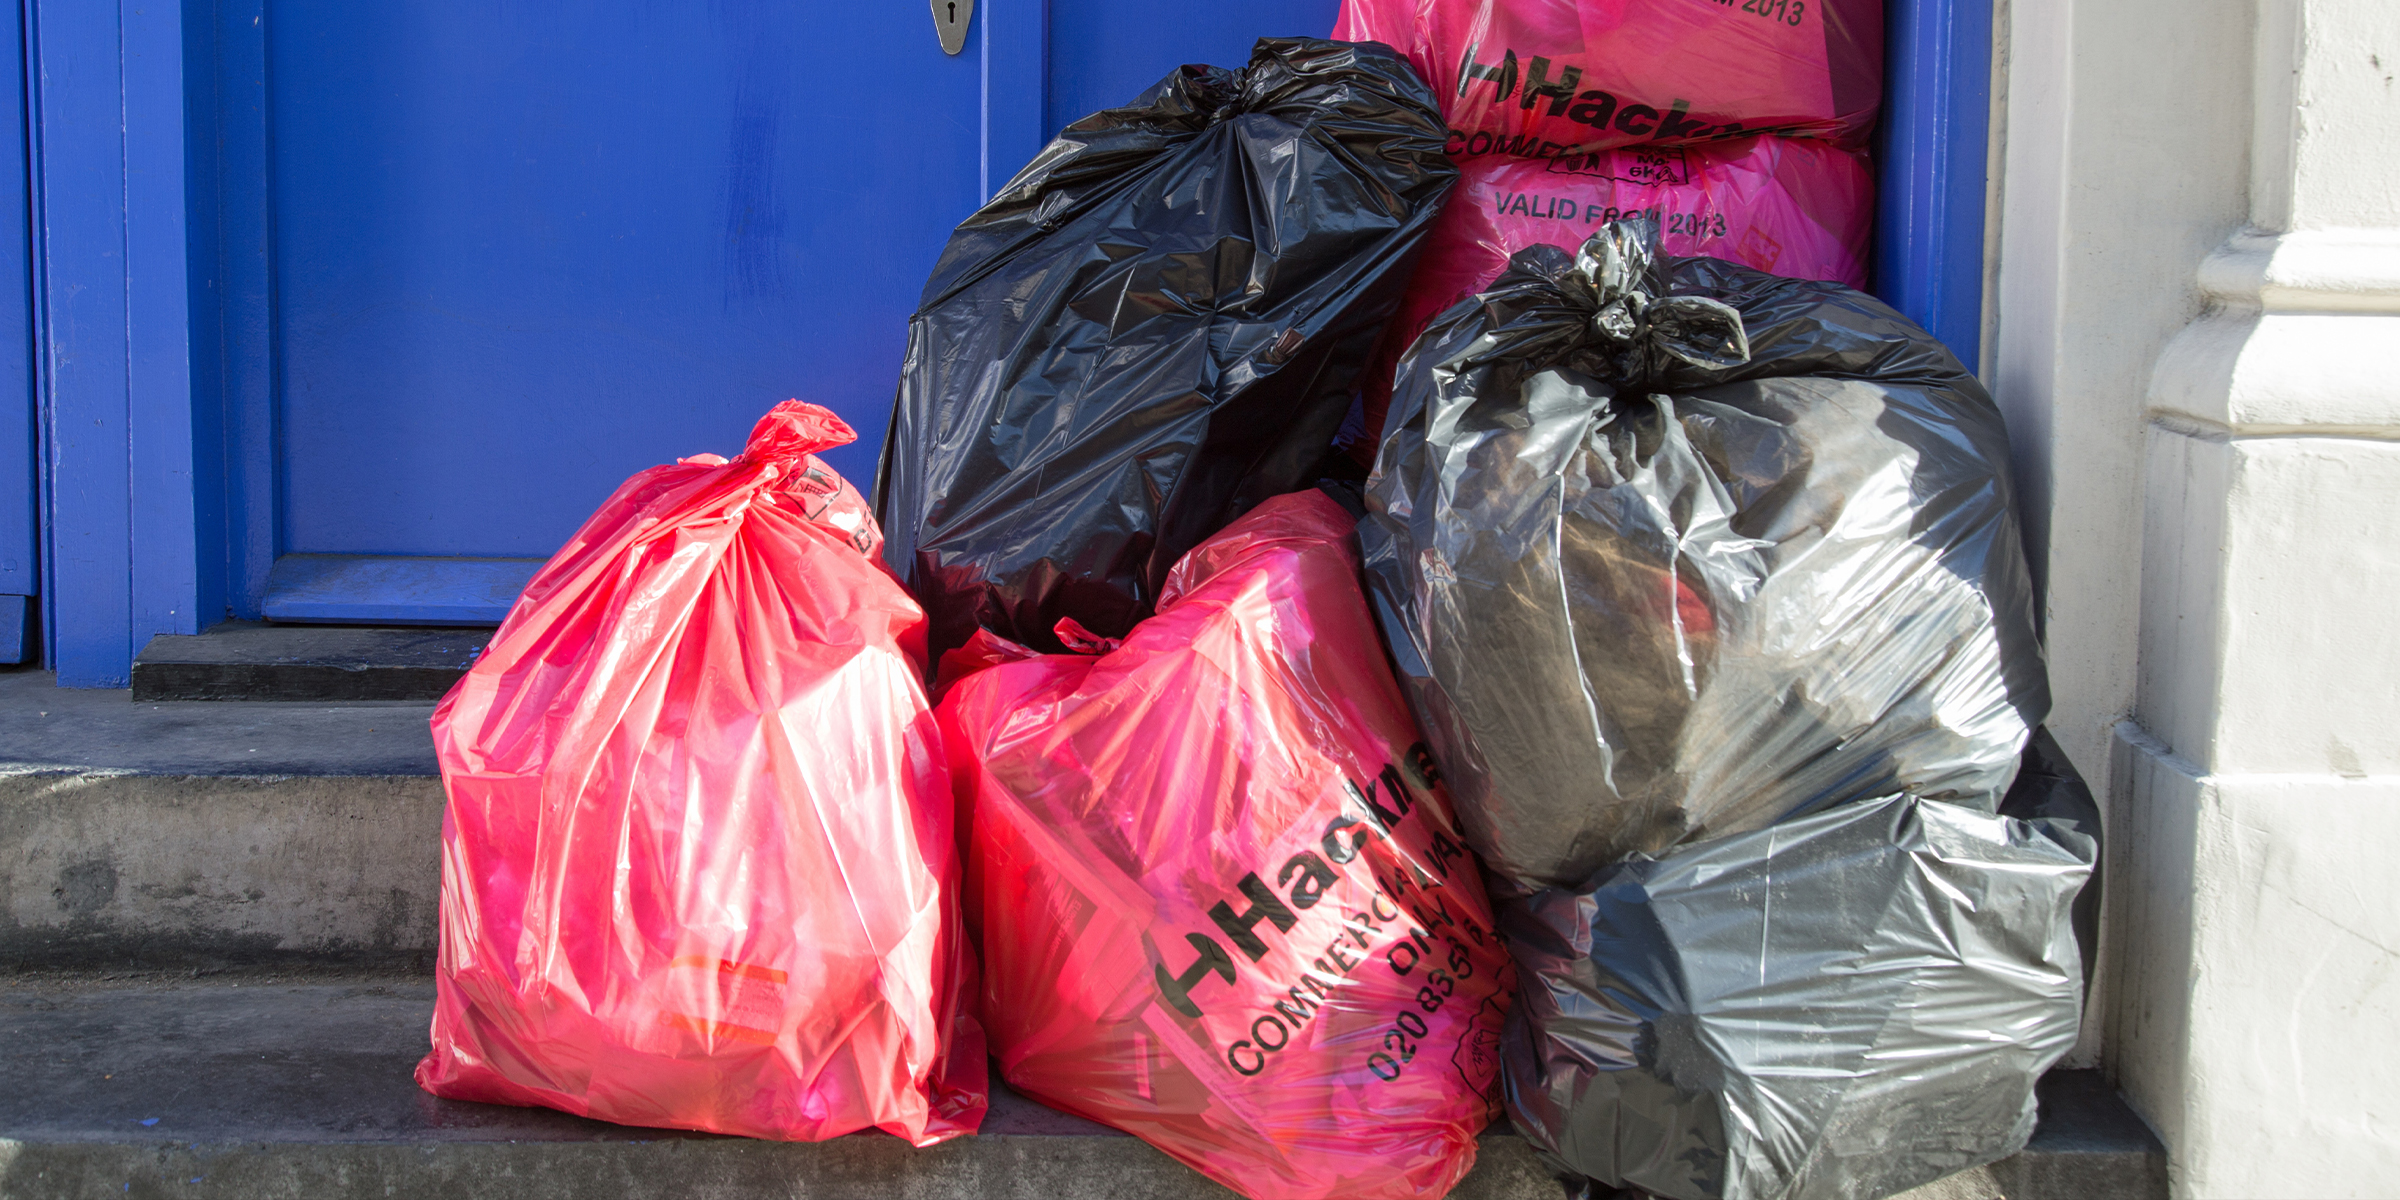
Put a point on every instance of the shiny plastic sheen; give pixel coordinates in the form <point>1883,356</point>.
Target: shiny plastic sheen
<point>1152,328</point>
<point>1787,206</point>
<point>1846,1005</point>
<point>698,866</point>
<point>1218,891</point>
<point>1669,550</point>
<point>1546,78</point>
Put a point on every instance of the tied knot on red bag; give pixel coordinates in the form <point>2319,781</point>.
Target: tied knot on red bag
<point>793,430</point>
<point>1079,640</point>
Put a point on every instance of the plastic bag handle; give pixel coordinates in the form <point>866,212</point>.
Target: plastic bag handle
<point>1618,270</point>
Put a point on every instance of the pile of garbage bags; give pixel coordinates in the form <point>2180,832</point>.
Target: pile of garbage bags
<point>1648,749</point>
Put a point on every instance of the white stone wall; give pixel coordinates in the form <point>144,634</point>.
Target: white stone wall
<point>2198,345</point>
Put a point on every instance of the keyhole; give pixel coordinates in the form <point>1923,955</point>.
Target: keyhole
<point>953,14</point>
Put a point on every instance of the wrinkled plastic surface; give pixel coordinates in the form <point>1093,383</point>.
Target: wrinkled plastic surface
<point>2049,791</point>
<point>1647,584</point>
<point>1551,78</point>
<point>698,866</point>
<point>1219,894</point>
<point>1154,327</point>
<point>1783,205</point>
<point>1840,1007</point>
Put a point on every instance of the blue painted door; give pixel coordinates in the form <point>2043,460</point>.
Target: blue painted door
<point>522,251</point>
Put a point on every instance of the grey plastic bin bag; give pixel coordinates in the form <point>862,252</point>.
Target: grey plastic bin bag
<point>1669,548</point>
<point>1846,1005</point>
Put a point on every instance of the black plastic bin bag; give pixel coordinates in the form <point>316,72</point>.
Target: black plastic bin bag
<point>1669,549</point>
<point>1839,1007</point>
<point>1152,328</point>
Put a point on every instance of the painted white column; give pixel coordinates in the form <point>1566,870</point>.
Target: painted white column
<point>2125,129</point>
<point>2253,1004</point>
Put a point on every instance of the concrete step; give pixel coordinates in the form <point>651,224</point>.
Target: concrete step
<point>260,1086</point>
<point>246,660</point>
<point>203,834</point>
<point>272,852</point>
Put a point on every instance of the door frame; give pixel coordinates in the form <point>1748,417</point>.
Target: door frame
<point>20,528</point>
<point>1932,168</point>
<point>131,464</point>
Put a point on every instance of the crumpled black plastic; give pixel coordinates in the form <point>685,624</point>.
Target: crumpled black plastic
<point>1849,1004</point>
<point>1151,329</point>
<point>1669,548</point>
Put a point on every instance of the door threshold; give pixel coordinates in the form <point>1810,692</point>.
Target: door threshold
<point>245,660</point>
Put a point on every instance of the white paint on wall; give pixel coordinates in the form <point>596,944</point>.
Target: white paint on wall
<point>2126,163</point>
<point>2199,346</point>
<point>2258,978</point>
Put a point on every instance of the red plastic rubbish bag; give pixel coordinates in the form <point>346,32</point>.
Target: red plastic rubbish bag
<point>1789,206</point>
<point>1218,886</point>
<point>698,867</point>
<point>1546,78</point>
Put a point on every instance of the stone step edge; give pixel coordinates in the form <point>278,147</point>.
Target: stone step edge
<point>103,869</point>
<point>249,661</point>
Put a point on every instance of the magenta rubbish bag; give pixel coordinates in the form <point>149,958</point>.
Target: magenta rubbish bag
<point>1786,206</point>
<point>698,867</point>
<point>1550,78</point>
<point>1221,896</point>
<point>1791,206</point>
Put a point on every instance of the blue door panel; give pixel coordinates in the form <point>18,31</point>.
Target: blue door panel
<point>1103,53</point>
<point>370,589</point>
<point>522,252</point>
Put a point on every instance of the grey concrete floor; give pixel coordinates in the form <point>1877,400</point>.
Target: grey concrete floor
<point>280,1084</point>
<point>273,1055</point>
<point>268,1083</point>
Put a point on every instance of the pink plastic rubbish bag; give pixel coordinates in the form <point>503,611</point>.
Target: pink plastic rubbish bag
<point>1217,883</point>
<point>1550,78</point>
<point>1787,206</point>
<point>1790,206</point>
<point>698,868</point>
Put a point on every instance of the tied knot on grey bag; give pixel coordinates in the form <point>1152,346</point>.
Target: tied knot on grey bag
<point>1616,270</point>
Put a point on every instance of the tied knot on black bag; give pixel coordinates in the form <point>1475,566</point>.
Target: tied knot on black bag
<point>1616,273</point>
